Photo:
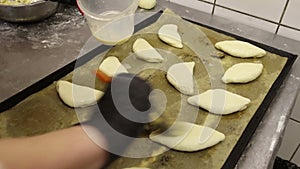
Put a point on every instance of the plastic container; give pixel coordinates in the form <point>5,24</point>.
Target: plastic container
<point>111,21</point>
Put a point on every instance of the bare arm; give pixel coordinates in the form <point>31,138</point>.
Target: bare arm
<point>71,148</point>
<point>65,149</point>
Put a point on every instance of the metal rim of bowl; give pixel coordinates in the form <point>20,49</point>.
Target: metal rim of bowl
<point>23,5</point>
<point>28,18</point>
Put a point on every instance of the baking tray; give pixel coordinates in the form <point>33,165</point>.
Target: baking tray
<point>256,119</point>
<point>249,130</point>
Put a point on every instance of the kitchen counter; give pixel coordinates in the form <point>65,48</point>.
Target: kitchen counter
<point>30,52</point>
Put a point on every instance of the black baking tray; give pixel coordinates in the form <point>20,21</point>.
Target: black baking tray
<point>257,117</point>
<point>248,132</point>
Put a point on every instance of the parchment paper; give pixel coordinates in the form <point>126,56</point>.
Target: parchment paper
<point>43,111</point>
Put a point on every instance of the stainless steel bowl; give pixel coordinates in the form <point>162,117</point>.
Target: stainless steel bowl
<point>28,12</point>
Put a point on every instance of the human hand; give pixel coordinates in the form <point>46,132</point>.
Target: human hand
<point>124,109</point>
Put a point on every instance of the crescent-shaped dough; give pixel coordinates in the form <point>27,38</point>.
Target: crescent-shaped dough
<point>169,34</point>
<point>111,66</point>
<point>184,136</point>
<point>145,51</point>
<point>242,73</point>
<point>77,96</point>
<point>240,49</point>
<point>219,101</point>
<point>181,76</point>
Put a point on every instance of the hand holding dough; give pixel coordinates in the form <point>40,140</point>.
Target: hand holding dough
<point>77,96</point>
<point>219,101</point>
<point>184,136</point>
<point>147,4</point>
<point>240,49</point>
<point>242,73</point>
<point>145,51</point>
<point>181,76</point>
<point>169,34</point>
<point>111,66</point>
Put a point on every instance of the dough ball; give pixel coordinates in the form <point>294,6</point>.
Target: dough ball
<point>147,4</point>
<point>136,168</point>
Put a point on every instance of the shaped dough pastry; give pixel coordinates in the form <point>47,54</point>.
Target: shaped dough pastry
<point>240,49</point>
<point>145,51</point>
<point>136,168</point>
<point>184,136</point>
<point>111,66</point>
<point>147,4</point>
<point>219,101</point>
<point>242,73</point>
<point>169,34</point>
<point>77,96</point>
<point>181,75</point>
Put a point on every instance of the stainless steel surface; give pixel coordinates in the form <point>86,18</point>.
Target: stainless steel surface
<point>28,12</point>
<point>262,149</point>
<point>30,52</point>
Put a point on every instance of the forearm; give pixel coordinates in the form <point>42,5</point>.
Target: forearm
<point>65,149</point>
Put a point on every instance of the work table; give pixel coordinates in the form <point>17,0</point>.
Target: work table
<point>30,52</point>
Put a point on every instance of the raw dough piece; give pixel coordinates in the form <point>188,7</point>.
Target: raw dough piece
<point>219,101</point>
<point>184,136</point>
<point>169,34</point>
<point>85,96</point>
<point>145,51</point>
<point>242,73</point>
<point>181,75</point>
<point>240,49</point>
<point>147,4</point>
<point>136,168</point>
<point>111,66</point>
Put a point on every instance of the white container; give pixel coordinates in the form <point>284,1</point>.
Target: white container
<point>110,21</point>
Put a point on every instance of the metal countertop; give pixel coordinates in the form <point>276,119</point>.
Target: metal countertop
<point>30,52</point>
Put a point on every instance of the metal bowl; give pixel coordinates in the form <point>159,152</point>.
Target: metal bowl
<point>28,12</point>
